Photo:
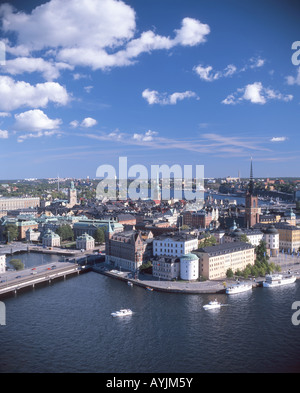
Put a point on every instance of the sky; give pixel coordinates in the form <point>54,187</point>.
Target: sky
<point>186,82</point>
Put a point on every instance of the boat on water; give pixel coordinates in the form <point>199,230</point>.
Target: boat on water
<point>130,283</point>
<point>149,289</point>
<point>276,280</point>
<point>211,305</point>
<point>123,312</point>
<point>238,288</point>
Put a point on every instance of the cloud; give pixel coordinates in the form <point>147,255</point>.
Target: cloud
<point>49,69</point>
<point>279,139</point>
<point>5,114</point>
<point>209,75</point>
<point>154,97</point>
<point>146,137</point>
<point>93,33</point>
<point>35,120</point>
<point>19,94</point>
<point>291,80</point>
<point>88,122</point>
<point>256,94</point>
<point>3,134</point>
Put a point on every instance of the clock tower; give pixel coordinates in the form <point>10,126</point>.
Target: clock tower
<point>251,203</point>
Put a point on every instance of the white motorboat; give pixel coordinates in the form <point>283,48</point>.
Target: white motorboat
<point>130,283</point>
<point>211,305</point>
<point>276,280</point>
<point>123,312</point>
<point>238,288</point>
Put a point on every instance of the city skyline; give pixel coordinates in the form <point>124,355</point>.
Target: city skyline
<point>209,83</point>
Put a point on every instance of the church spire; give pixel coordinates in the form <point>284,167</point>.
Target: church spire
<point>251,184</point>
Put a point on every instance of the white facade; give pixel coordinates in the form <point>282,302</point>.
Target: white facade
<point>2,263</point>
<point>85,242</point>
<point>174,246</point>
<point>189,267</point>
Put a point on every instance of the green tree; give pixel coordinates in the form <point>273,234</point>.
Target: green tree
<point>244,238</point>
<point>209,240</point>
<point>229,273</point>
<point>99,235</point>
<point>17,264</point>
<point>11,232</point>
<point>65,232</point>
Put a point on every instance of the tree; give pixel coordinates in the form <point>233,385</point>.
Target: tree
<point>11,232</point>
<point>244,238</point>
<point>99,235</point>
<point>65,232</point>
<point>229,273</point>
<point>17,264</point>
<point>209,240</point>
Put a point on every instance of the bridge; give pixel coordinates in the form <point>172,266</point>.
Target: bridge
<point>13,282</point>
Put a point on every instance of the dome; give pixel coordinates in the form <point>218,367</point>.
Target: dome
<point>189,256</point>
<point>238,232</point>
<point>271,230</point>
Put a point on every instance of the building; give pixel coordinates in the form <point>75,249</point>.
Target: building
<point>189,267</point>
<point>127,250</point>
<point>7,204</point>
<point>90,226</point>
<point>85,242</point>
<point>174,245</point>
<point>199,219</point>
<point>72,196</point>
<point>254,236</point>
<point>166,268</point>
<point>214,261</point>
<point>51,239</point>
<point>32,236</point>
<point>252,211</point>
<point>271,238</point>
<point>289,237</point>
<point>2,263</point>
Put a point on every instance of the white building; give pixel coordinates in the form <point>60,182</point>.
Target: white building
<point>85,242</point>
<point>271,237</point>
<point>189,267</point>
<point>174,245</point>
<point>166,268</point>
<point>51,239</point>
<point>2,263</point>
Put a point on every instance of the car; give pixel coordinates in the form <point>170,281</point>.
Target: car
<point>34,268</point>
<point>53,266</point>
<point>48,268</point>
<point>18,276</point>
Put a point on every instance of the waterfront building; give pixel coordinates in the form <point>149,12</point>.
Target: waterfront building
<point>254,235</point>
<point>174,245</point>
<point>128,249</point>
<point>166,268</point>
<point>189,267</point>
<point>2,263</point>
<point>289,237</point>
<point>214,261</point>
<point>51,239</point>
<point>85,242</point>
<point>271,238</point>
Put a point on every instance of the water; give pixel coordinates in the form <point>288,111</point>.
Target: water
<point>31,259</point>
<point>67,327</point>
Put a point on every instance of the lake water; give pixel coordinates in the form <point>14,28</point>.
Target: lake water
<point>67,327</point>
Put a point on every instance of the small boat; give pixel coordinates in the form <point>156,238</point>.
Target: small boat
<point>149,289</point>
<point>129,283</point>
<point>211,305</point>
<point>123,312</point>
<point>238,288</point>
<point>276,280</point>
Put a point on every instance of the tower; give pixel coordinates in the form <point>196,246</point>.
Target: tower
<point>72,195</point>
<point>251,203</point>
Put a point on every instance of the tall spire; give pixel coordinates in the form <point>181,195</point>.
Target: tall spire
<point>251,185</point>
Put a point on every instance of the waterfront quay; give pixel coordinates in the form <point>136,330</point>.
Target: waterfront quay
<point>19,281</point>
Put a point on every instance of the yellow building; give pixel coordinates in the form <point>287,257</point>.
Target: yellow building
<point>289,237</point>
<point>214,261</point>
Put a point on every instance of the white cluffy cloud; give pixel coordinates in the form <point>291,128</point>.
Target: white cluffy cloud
<point>35,120</point>
<point>256,94</point>
<point>146,137</point>
<point>93,33</point>
<point>154,97</point>
<point>87,123</point>
<point>19,94</point>
<point>278,139</point>
<point>209,75</point>
<point>291,80</point>
<point>3,134</point>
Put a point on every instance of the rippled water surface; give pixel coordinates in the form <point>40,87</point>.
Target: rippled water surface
<point>67,327</point>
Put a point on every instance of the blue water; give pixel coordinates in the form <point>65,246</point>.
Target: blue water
<point>67,327</point>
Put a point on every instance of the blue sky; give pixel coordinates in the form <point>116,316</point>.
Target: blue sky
<point>160,82</point>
